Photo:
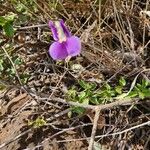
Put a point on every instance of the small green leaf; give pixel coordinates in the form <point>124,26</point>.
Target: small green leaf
<point>2,21</point>
<point>10,17</point>
<point>146,92</point>
<point>78,110</point>
<point>139,86</point>
<point>122,81</point>
<point>85,101</point>
<point>18,61</point>
<point>39,122</point>
<point>107,86</point>
<point>141,95</point>
<point>118,89</point>
<point>24,78</point>
<point>82,95</point>
<point>83,84</point>
<point>8,29</point>
<point>132,94</point>
<point>145,83</point>
<point>71,94</point>
<point>95,100</point>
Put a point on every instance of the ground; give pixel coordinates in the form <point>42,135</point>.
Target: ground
<point>97,100</point>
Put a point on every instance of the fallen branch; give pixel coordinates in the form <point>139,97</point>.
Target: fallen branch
<point>97,113</point>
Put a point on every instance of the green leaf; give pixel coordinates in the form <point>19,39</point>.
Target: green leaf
<point>2,21</point>
<point>10,17</point>
<point>145,83</point>
<point>141,95</point>
<point>132,94</point>
<point>83,97</point>
<point>24,78</point>
<point>86,85</point>
<point>118,89</point>
<point>93,86</point>
<point>8,29</point>
<point>94,100</point>
<point>18,61</point>
<point>78,110</point>
<point>83,84</point>
<point>39,122</point>
<point>139,86</point>
<point>85,101</point>
<point>71,94</point>
<point>122,81</point>
<point>107,86</point>
<point>146,92</point>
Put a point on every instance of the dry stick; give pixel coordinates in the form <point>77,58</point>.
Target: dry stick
<point>68,129</point>
<point>105,135</point>
<point>97,113</point>
<point>102,106</point>
<point>33,26</point>
<point>58,114</point>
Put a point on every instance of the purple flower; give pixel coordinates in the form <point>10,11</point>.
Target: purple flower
<point>65,44</point>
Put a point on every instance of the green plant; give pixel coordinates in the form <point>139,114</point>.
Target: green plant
<point>26,7</point>
<point>39,122</point>
<point>88,94</point>
<point>141,90</point>
<point>8,72</point>
<point>6,22</point>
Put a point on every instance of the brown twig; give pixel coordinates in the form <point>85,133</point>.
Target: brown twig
<point>105,135</point>
<point>33,26</point>
<point>97,113</point>
<point>102,106</point>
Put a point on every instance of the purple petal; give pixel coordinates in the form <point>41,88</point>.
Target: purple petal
<point>54,30</point>
<point>58,51</point>
<point>73,45</point>
<point>65,29</point>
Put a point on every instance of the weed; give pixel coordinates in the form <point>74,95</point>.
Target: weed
<point>8,72</point>
<point>88,93</point>
<point>6,22</point>
<point>39,122</point>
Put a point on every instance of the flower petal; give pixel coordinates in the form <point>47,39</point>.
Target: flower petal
<point>58,51</point>
<point>73,45</point>
<point>54,30</point>
<point>65,29</point>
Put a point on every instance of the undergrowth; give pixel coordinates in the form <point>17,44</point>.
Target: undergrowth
<point>114,65</point>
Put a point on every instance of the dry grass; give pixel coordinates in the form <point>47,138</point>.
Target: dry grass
<point>115,42</point>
